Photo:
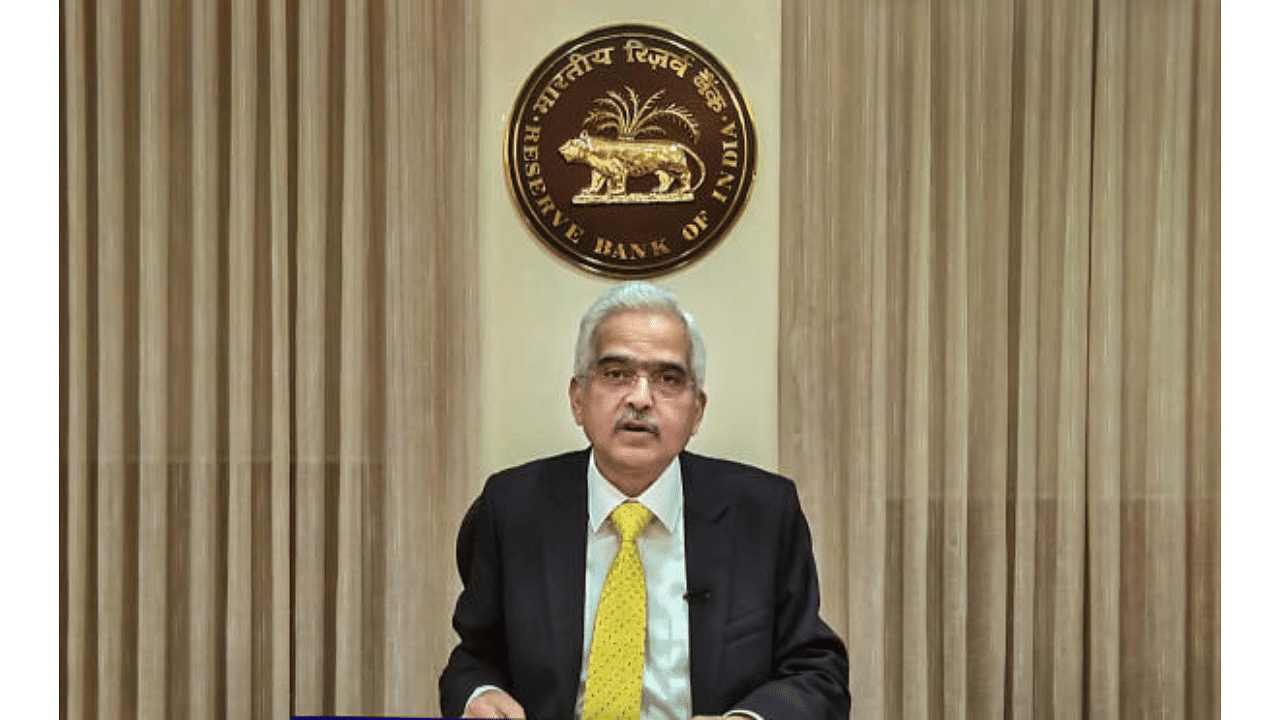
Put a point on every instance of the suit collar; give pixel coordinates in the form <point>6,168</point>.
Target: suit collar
<point>560,485</point>
<point>564,567</point>
<point>704,494</point>
<point>708,551</point>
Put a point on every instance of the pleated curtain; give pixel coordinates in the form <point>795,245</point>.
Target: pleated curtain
<point>999,350</point>
<point>268,339</point>
<point>998,356</point>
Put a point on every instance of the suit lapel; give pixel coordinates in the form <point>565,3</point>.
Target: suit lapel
<point>707,555</point>
<point>564,548</point>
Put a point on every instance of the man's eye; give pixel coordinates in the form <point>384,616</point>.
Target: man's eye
<point>613,373</point>
<point>671,378</point>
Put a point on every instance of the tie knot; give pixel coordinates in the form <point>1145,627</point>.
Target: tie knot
<point>630,518</point>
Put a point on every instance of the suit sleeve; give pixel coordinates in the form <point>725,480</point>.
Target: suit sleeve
<point>810,677</point>
<point>480,658</point>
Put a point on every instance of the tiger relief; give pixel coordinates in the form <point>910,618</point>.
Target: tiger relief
<point>614,162</point>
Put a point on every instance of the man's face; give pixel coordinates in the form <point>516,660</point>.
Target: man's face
<point>637,422</point>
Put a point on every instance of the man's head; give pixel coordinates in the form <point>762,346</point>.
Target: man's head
<point>639,368</point>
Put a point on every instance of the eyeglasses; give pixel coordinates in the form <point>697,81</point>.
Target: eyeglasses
<point>664,379</point>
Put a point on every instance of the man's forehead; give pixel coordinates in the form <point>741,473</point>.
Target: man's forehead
<point>611,359</point>
<point>676,359</point>
<point>658,334</point>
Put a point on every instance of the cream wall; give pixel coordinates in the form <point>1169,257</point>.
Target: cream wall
<point>530,300</point>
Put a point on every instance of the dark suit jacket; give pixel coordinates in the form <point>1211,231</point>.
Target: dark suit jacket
<point>755,639</point>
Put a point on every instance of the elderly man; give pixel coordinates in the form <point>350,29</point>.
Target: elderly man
<point>634,580</point>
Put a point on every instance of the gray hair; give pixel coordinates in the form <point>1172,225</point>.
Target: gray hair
<point>637,296</point>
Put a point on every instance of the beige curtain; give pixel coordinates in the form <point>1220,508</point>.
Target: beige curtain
<point>268,325</point>
<point>999,349</point>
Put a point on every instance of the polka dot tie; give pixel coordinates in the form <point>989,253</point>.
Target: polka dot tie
<point>615,669</point>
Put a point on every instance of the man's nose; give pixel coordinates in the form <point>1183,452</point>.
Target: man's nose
<point>640,396</point>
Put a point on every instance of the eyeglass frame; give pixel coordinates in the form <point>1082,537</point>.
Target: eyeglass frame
<point>632,370</point>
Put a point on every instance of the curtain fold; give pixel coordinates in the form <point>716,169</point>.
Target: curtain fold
<point>267,433</point>
<point>999,349</point>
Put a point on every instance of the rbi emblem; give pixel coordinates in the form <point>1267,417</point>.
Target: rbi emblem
<point>630,151</point>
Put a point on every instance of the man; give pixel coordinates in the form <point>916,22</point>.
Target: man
<point>635,580</point>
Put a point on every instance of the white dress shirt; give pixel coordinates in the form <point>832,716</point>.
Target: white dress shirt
<point>667,694</point>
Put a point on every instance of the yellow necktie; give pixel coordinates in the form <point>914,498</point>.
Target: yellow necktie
<point>616,666</point>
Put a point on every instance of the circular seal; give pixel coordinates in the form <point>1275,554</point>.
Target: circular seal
<point>630,151</point>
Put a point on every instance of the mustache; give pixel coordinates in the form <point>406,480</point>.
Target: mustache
<point>632,417</point>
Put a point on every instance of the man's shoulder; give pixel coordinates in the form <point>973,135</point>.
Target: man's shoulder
<point>732,478</point>
<point>530,476</point>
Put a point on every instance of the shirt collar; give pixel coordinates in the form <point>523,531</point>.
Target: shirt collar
<point>663,498</point>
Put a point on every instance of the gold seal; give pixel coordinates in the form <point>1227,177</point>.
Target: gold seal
<point>630,151</point>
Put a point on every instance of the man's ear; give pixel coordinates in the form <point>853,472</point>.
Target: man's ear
<point>575,399</point>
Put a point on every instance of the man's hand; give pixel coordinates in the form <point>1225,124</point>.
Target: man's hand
<point>493,704</point>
